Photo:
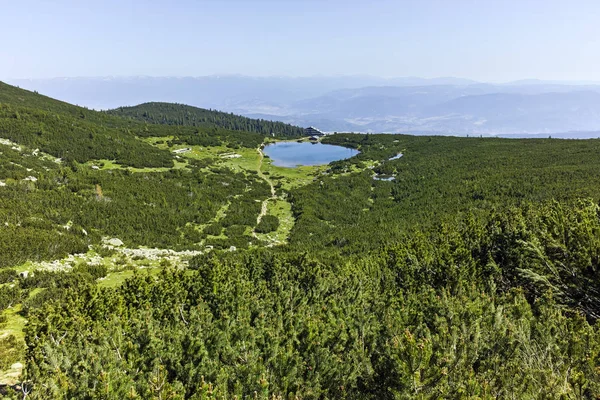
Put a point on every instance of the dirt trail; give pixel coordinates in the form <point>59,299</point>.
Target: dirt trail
<point>265,203</point>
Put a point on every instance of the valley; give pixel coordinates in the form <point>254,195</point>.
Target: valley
<point>156,252</point>
<point>120,262</point>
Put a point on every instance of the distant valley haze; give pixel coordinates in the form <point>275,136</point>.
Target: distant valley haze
<point>446,106</point>
<point>465,67</point>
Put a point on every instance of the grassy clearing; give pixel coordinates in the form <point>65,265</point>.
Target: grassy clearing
<point>159,141</point>
<point>248,161</point>
<point>179,164</point>
<point>290,178</point>
<point>13,326</point>
<point>283,211</point>
<point>115,279</point>
<point>111,164</point>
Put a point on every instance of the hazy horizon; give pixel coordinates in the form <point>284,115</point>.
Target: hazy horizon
<point>523,80</point>
<point>488,67</point>
<point>484,41</point>
<point>356,103</point>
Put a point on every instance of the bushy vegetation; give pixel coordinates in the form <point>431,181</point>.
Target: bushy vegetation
<point>268,223</point>
<point>462,310</point>
<point>157,209</point>
<point>437,178</point>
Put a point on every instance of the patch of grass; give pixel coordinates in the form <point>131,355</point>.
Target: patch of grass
<point>178,164</point>
<point>115,279</point>
<point>14,324</point>
<point>104,164</point>
<point>290,178</point>
<point>283,211</point>
<point>112,164</point>
<point>248,161</point>
<point>12,344</point>
<point>158,141</point>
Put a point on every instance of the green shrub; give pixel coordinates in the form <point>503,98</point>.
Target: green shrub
<point>214,229</point>
<point>268,223</point>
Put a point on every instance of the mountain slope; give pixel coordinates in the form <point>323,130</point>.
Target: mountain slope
<point>71,132</point>
<point>181,114</point>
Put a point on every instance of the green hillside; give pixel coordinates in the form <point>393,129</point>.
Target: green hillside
<point>168,258</point>
<point>71,132</point>
<point>15,96</point>
<point>183,115</point>
<point>63,165</point>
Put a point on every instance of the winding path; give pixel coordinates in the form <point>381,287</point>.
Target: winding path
<point>265,203</point>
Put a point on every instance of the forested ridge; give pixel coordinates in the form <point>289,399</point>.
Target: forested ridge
<point>472,273</point>
<point>181,114</point>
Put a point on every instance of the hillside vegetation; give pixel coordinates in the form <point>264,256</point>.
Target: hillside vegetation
<point>71,132</point>
<point>174,261</point>
<point>180,114</point>
<point>49,182</point>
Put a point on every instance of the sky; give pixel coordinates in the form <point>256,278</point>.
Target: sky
<point>487,40</point>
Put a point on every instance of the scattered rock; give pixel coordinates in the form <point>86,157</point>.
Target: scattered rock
<point>155,254</point>
<point>114,242</point>
<point>7,142</point>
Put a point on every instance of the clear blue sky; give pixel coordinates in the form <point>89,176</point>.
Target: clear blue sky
<point>490,40</point>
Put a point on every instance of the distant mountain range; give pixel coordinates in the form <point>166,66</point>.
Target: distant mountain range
<point>359,103</point>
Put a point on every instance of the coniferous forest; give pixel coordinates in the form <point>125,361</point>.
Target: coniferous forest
<point>181,114</point>
<point>153,252</point>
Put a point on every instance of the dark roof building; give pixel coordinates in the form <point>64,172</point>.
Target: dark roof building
<point>312,131</point>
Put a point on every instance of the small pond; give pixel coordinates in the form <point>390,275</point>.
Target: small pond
<point>293,154</point>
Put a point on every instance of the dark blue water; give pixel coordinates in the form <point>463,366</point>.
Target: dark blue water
<point>292,154</point>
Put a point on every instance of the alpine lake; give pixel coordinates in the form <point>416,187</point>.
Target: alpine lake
<point>294,154</point>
